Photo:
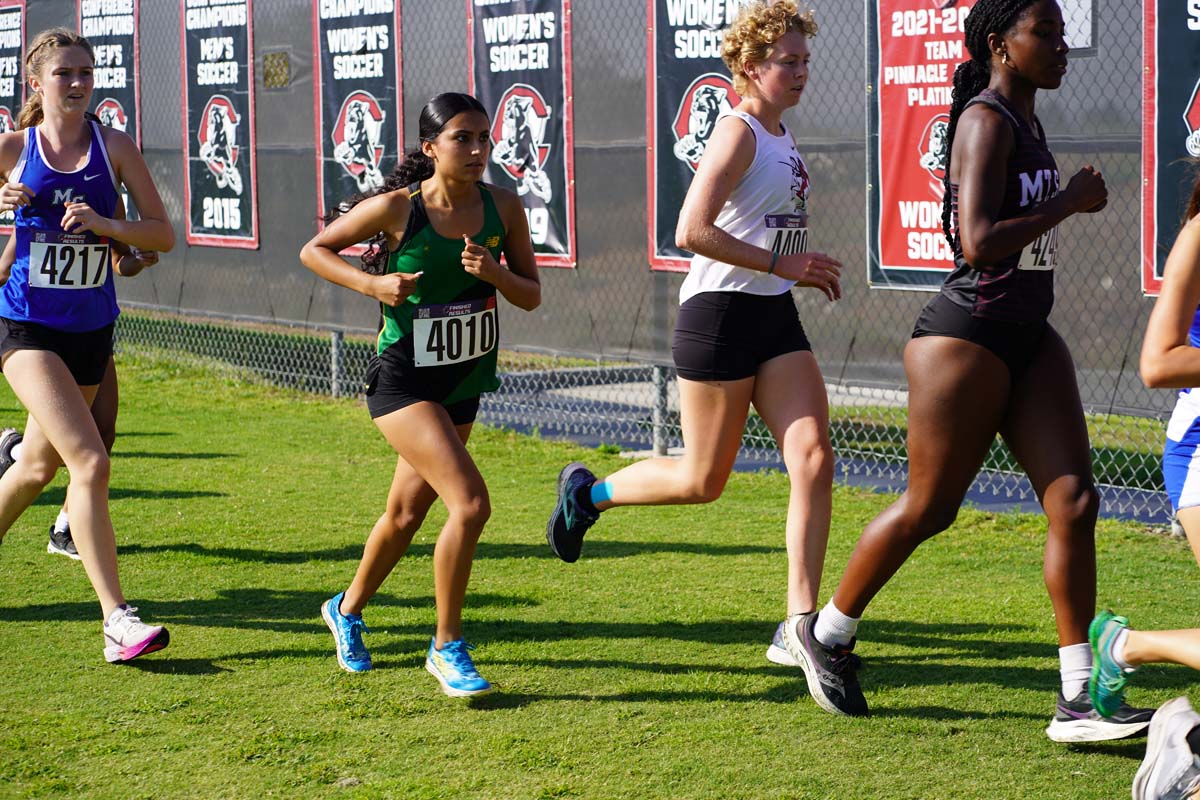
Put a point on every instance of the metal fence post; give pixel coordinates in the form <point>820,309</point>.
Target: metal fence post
<point>336,355</point>
<point>659,418</point>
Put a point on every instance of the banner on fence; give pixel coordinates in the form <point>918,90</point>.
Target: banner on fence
<point>112,30</point>
<point>913,48</point>
<point>687,89</point>
<point>356,99</point>
<point>12,85</point>
<point>220,175</point>
<point>519,54</point>
<point>1170,127</point>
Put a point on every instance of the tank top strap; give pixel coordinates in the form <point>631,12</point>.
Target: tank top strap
<point>99,147</point>
<point>997,102</point>
<point>26,151</point>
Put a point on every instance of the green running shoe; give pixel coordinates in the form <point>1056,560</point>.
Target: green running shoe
<point>1106,686</point>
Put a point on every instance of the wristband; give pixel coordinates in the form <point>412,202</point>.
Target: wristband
<point>774,258</point>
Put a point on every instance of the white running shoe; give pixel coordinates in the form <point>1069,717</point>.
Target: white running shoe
<point>1170,770</point>
<point>777,652</point>
<point>126,637</point>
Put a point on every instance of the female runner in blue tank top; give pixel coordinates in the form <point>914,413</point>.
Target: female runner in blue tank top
<point>58,307</point>
<point>1170,359</point>
<point>984,360</point>
<point>433,212</point>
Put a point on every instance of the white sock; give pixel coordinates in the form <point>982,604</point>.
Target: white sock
<point>1118,651</point>
<point>16,451</point>
<point>60,523</point>
<point>834,628</point>
<point>1075,667</point>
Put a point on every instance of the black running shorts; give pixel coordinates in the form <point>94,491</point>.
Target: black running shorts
<point>387,392</point>
<point>1014,343</point>
<point>726,336</point>
<point>85,354</point>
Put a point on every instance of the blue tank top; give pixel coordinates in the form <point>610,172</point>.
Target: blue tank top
<point>1194,331</point>
<point>61,280</point>
<point>1019,287</point>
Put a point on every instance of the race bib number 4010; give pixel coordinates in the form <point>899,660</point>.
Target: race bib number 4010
<point>454,332</point>
<point>67,260</point>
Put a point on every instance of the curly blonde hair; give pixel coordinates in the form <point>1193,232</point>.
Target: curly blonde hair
<point>755,31</point>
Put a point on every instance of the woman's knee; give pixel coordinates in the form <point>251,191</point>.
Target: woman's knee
<point>37,470</point>
<point>90,467</point>
<point>473,511</point>
<point>1072,503</point>
<point>919,520</point>
<point>811,461</point>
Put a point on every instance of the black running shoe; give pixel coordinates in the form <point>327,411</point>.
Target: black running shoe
<point>569,522</point>
<point>9,438</point>
<point>831,672</point>
<point>62,544</point>
<point>1077,721</point>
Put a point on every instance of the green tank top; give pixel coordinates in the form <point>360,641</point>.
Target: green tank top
<point>444,337</point>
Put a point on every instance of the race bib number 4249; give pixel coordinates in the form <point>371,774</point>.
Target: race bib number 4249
<point>67,261</point>
<point>454,332</point>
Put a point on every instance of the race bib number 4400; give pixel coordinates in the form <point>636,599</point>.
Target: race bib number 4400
<point>67,260</point>
<point>786,233</point>
<point>454,332</point>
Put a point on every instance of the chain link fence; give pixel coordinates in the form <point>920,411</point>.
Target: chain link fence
<point>594,362</point>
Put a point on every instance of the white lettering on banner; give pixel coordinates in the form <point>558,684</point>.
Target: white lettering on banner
<point>10,40</point>
<point>221,16</point>
<point>928,96</point>
<point>10,21</point>
<point>337,9</point>
<point>110,77</point>
<point>356,67</point>
<point>918,214</point>
<point>928,246</point>
<point>510,57</point>
<point>539,224</point>
<point>916,73</point>
<point>109,55</point>
<point>929,22</point>
<point>1193,15</point>
<point>226,72</point>
<point>8,87</point>
<point>96,8</point>
<point>216,48</point>
<point>222,212</point>
<point>519,28</point>
<point>946,51</point>
<point>357,40</point>
<point>8,65</point>
<point>707,13</point>
<point>697,44</point>
<point>107,26</point>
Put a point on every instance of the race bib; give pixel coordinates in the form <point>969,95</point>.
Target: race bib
<point>454,332</point>
<point>786,233</point>
<point>67,260</point>
<point>1042,254</point>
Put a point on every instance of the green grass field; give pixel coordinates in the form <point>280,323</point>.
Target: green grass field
<point>636,673</point>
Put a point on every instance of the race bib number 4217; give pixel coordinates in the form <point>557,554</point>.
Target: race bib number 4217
<point>454,332</point>
<point>67,261</point>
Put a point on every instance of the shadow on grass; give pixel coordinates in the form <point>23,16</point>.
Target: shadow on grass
<point>163,664</point>
<point>57,495</point>
<point>484,550</point>
<point>173,456</point>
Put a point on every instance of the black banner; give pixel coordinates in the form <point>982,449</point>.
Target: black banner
<point>520,69</point>
<point>12,87</point>
<point>221,179</point>
<point>688,88</point>
<point>1170,127</point>
<point>111,27</point>
<point>356,97</point>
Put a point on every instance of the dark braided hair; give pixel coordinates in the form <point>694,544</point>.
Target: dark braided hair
<point>972,77</point>
<point>415,167</point>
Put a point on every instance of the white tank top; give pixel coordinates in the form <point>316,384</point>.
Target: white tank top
<point>767,208</point>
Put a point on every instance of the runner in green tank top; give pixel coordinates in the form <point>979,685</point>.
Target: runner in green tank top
<point>435,235</point>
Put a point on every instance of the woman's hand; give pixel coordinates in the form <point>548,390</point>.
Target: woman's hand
<point>14,196</point>
<point>1087,191</point>
<point>815,270</point>
<point>80,217</point>
<point>395,287</point>
<point>478,261</point>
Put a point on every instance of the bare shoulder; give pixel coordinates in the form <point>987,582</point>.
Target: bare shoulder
<point>11,145</point>
<point>506,200</point>
<point>982,122</point>
<point>118,143</point>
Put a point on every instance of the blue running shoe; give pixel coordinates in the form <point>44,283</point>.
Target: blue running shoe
<point>454,669</point>
<point>1107,684</point>
<point>569,522</point>
<point>347,631</point>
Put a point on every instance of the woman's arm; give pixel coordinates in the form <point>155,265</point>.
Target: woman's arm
<point>384,213</point>
<point>983,145</point>
<point>1168,360</point>
<point>153,231</point>
<point>519,282</point>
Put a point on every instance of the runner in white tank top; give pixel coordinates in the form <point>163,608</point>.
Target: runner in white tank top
<point>738,339</point>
